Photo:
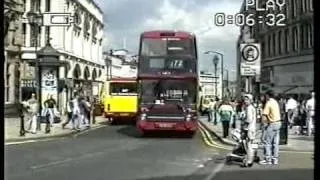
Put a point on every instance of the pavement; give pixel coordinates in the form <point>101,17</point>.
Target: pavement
<point>295,142</point>
<point>292,166</point>
<point>12,129</point>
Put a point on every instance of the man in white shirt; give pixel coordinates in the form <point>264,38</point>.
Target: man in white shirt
<point>291,110</point>
<point>310,107</point>
<point>250,119</point>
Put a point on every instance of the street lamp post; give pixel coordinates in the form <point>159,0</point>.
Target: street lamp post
<point>108,62</point>
<point>227,81</point>
<point>221,56</point>
<point>215,61</point>
<point>35,20</point>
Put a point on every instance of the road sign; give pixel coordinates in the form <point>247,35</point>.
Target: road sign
<point>57,19</point>
<point>250,59</point>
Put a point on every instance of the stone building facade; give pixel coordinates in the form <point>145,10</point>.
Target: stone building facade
<point>287,51</point>
<point>79,44</point>
<point>12,46</point>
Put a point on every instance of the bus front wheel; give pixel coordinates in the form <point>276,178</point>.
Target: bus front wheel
<point>191,134</point>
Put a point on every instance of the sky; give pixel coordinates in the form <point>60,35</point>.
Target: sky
<point>125,20</point>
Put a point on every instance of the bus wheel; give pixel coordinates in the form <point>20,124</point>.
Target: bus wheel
<point>191,134</point>
<point>141,133</point>
<point>112,121</point>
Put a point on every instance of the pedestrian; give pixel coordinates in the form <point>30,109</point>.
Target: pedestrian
<point>51,103</point>
<point>310,108</point>
<point>88,111</point>
<point>84,111</point>
<point>272,120</point>
<point>234,116</point>
<point>250,121</point>
<point>46,114</point>
<point>216,108</point>
<point>76,114</point>
<point>225,112</point>
<point>69,115</point>
<point>33,108</point>
<point>291,110</point>
<point>211,110</point>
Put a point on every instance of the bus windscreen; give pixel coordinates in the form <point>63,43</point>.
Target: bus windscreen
<point>167,46</point>
<point>173,91</point>
<point>123,89</point>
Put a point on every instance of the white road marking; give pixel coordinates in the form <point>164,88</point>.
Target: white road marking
<point>297,152</point>
<point>86,131</point>
<point>50,139</point>
<point>215,171</point>
<point>66,160</point>
<point>31,141</point>
<point>89,155</point>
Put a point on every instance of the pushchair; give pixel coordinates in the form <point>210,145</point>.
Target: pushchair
<point>240,151</point>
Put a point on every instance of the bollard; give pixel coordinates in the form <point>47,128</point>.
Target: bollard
<point>93,111</point>
<point>22,130</point>
<point>39,122</point>
<point>47,124</point>
<point>93,117</point>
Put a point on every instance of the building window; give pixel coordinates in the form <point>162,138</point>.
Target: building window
<point>310,35</point>
<point>302,7</point>
<point>24,27</point>
<point>274,44</point>
<point>311,5</point>
<point>269,46</point>
<point>280,42</point>
<point>7,83</point>
<point>302,37</point>
<point>24,5</point>
<point>263,54</point>
<point>285,10</point>
<point>293,8</point>
<point>35,38</point>
<point>48,6</point>
<point>47,35</point>
<point>294,38</point>
<point>35,5</point>
<point>286,41</point>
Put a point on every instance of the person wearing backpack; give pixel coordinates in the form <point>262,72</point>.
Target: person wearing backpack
<point>225,112</point>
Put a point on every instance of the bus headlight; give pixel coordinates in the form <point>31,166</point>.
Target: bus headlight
<point>144,109</point>
<point>188,117</point>
<point>143,116</point>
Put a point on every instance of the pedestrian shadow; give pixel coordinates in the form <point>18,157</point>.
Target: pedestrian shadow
<point>303,138</point>
<point>118,122</point>
<point>132,131</point>
<point>191,177</point>
<point>247,173</point>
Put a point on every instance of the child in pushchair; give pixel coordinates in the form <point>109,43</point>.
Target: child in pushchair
<point>241,153</point>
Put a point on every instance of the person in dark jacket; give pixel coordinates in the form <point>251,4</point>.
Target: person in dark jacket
<point>69,114</point>
<point>51,104</point>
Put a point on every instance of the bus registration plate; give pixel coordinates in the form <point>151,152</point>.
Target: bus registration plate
<point>165,125</point>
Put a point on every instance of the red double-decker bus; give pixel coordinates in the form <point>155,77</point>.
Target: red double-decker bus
<point>167,75</point>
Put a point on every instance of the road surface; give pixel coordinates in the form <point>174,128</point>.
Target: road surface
<point>116,153</point>
<point>112,153</point>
